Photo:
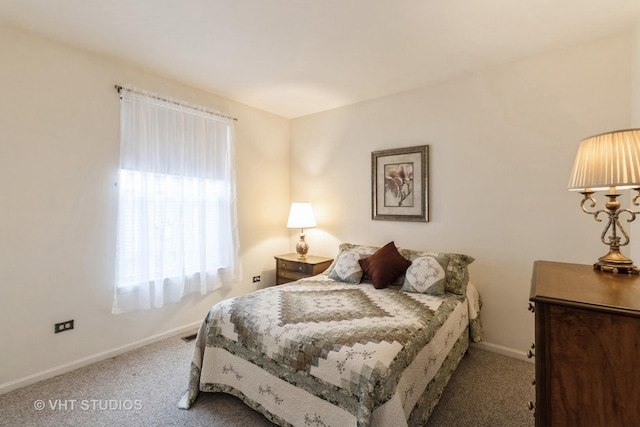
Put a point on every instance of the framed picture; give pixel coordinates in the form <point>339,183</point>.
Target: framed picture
<point>400,187</point>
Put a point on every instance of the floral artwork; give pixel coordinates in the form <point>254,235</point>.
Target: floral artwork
<point>400,184</point>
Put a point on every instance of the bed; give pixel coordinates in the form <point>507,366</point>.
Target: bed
<point>372,341</point>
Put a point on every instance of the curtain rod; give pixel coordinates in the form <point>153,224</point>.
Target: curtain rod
<point>120,88</point>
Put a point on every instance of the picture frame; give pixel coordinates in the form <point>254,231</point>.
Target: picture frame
<point>400,184</point>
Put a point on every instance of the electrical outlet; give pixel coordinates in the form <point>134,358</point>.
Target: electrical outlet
<point>256,279</point>
<point>63,326</point>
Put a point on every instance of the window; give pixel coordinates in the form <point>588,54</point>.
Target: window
<point>177,227</point>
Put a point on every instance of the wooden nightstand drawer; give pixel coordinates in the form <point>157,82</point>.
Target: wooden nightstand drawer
<point>296,266</point>
<point>291,275</point>
<point>289,267</point>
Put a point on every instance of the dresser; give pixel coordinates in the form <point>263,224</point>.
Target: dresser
<point>587,346</point>
<point>289,267</point>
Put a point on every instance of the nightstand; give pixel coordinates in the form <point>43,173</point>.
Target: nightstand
<point>289,267</point>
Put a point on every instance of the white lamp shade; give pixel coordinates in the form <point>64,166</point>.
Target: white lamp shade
<point>607,160</point>
<point>301,216</point>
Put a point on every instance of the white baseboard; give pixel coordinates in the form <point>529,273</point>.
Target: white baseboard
<point>505,351</point>
<point>67,367</point>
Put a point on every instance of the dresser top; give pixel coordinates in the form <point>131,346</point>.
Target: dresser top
<point>580,285</point>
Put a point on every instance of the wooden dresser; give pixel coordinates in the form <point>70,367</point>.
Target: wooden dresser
<point>587,346</point>
<point>289,267</point>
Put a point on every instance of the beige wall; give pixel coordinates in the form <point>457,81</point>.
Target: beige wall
<point>502,143</point>
<point>59,148</point>
<point>635,123</point>
<point>635,77</point>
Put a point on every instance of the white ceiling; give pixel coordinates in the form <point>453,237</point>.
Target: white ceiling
<point>297,57</point>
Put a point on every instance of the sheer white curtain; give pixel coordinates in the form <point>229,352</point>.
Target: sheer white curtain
<point>177,223</point>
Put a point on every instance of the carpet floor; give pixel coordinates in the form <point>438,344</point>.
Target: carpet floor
<point>142,388</point>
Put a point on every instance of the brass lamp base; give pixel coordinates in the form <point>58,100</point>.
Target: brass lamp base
<point>615,262</point>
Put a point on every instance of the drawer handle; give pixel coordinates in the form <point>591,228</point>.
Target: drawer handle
<point>530,354</point>
<point>531,308</point>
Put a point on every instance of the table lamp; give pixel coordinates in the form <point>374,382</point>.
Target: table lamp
<point>301,216</point>
<point>609,161</point>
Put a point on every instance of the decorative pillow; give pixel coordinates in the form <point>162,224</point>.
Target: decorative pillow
<point>425,276</point>
<point>455,267</point>
<point>347,268</point>
<point>363,251</point>
<point>458,273</point>
<point>384,266</point>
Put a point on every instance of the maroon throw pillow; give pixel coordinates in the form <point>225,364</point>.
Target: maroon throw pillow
<point>385,265</point>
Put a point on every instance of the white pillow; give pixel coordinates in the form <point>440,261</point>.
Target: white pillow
<point>425,276</point>
<point>347,268</point>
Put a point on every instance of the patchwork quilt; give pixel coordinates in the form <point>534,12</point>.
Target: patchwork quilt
<point>321,352</point>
